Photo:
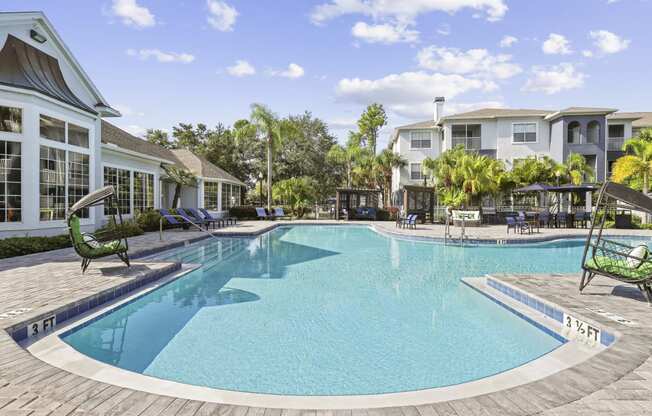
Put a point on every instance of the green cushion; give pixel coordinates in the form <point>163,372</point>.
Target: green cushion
<point>96,250</point>
<point>620,267</point>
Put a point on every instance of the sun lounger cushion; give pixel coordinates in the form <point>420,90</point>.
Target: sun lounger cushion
<point>96,250</point>
<point>620,267</point>
<point>640,252</point>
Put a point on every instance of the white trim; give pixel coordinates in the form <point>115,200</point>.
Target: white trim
<point>47,98</point>
<point>420,131</point>
<point>132,170</point>
<point>536,124</point>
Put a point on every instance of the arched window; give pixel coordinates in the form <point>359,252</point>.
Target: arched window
<point>574,132</point>
<point>593,132</point>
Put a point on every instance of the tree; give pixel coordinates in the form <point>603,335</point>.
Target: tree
<point>272,129</point>
<point>576,170</point>
<point>180,177</point>
<point>345,156</point>
<point>235,150</point>
<point>533,170</point>
<point>384,165</point>
<point>159,137</point>
<point>299,193</point>
<point>371,121</point>
<point>636,165</point>
<point>191,138</point>
<point>645,135</point>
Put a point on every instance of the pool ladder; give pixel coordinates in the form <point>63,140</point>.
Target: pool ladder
<point>449,237</point>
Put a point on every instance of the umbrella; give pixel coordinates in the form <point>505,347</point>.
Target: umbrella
<point>536,187</point>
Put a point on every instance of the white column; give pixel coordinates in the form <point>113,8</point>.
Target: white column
<point>219,196</point>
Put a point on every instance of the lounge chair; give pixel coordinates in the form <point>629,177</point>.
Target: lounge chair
<point>279,213</point>
<point>216,220</point>
<point>262,214</point>
<point>207,221</point>
<point>90,248</point>
<point>174,219</point>
<point>191,218</point>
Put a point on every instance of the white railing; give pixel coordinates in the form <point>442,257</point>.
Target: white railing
<point>469,143</point>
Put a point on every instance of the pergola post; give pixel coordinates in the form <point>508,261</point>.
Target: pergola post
<point>337,205</point>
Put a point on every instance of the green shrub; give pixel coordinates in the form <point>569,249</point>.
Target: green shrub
<point>19,246</point>
<point>383,215</point>
<point>243,212</point>
<point>113,231</point>
<point>150,221</point>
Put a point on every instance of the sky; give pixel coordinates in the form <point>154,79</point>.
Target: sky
<point>206,61</point>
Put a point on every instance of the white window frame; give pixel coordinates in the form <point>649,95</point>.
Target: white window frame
<point>536,127</point>
<point>131,171</point>
<point>421,171</point>
<point>420,131</point>
<point>466,138</point>
<point>88,151</point>
<point>614,125</point>
<point>18,138</point>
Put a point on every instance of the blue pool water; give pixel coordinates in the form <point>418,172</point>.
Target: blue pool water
<point>327,310</point>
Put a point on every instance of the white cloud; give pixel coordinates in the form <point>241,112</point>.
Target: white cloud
<point>551,80</point>
<point>160,56</point>
<point>587,53</point>
<point>409,93</point>
<point>221,16</point>
<point>608,42</point>
<point>473,61</point>
<point>343,123</point>
<point>241,69</point>
<point>135,130</point>
<point>127,111</point>
<point>132,13</point>
<point>384,33</point>
<point>508,41</point>
<point>556,44</point>
<point>404,11</point>
<point>293,71</point>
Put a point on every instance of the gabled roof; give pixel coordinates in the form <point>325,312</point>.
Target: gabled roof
<point>38,19</point>
<point>578,111</point>
<point>200,166</point>
<point>428,124</point>
<point>492,113</point>
<point>26,67</point>
<point>639,119</point>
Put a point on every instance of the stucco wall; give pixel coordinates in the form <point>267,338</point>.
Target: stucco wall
<point>508,151</point>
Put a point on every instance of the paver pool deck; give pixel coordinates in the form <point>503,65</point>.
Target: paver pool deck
<point>617,381</point>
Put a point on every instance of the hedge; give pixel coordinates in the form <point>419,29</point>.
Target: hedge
<point>20,246</point>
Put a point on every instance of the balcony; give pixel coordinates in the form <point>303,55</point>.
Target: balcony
<point>469,143</point>
<point>615,143</point>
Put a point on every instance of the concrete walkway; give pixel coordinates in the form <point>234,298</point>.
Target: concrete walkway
<point>617,381</point>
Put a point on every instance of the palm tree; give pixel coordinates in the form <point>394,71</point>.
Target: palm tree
<point>180,177</point>
<point>346,155</point>
<point>273,130</point>
<point>636,164</point>
<point>384,165</point>
<point>577,170</point>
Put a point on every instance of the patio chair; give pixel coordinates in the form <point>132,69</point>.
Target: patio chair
<point>544,219</point>
<point>517,224</point>
<point>208,221</point>
<point>582,219</point>
<point>191,218</point>
<point>94,246</point>
<point>262,214</point>
<point>562,220</point>
<point>409,221</point>
<point>207,215</point>
<point>614,259</point>
<point>279,213</point>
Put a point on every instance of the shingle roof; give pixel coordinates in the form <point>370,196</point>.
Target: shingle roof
<point>428,124</point>
<point>116,136</point>
<point>640,119</point>
<point>198,165</point>
<point>498,112</point>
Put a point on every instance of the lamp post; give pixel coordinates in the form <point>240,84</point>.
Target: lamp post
<point>260,181</point>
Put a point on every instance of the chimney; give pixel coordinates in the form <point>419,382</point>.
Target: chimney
<point>439,108</point>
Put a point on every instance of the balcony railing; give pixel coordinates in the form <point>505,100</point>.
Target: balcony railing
<point>470,143</point>
<point>615,143</point>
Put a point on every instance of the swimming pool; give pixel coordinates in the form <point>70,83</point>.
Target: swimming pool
<point>327,310</point>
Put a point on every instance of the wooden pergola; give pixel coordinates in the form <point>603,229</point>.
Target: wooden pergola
<point>351,198</point>
<point>419,200</point>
